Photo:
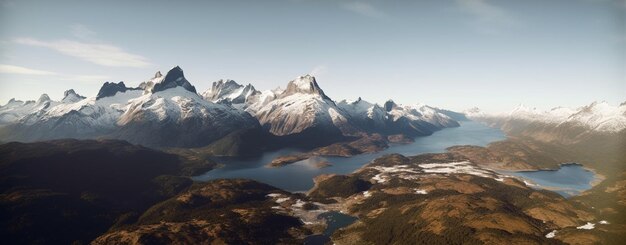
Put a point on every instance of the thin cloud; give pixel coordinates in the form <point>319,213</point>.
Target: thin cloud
<point>486,13</point>
<point>97,53</point>
<point>363,8</point>
<point>11,69</point>
<point>82,32</point>
<point>20,70</point>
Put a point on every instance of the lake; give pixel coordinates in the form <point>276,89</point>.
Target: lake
<point>334,221</point>
<point>569,180</point>
<point>299,176</point>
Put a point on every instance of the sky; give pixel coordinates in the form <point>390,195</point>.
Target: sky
<point>453,54</point>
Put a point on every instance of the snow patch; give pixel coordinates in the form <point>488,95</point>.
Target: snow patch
<point>367,194</point>
<point>282,199</point>
<point>299,203</point>
<point>588,226</point>
<point>379,178</point>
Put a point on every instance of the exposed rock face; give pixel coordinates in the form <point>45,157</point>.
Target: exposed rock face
<point>110,89</point>
<point>147,85</point>
<point>390,105</point>
<point>173,78</point>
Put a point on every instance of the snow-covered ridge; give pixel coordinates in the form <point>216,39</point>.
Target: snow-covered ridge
<point>229,91</point>
<point>597,116</point>
<point>164,111</point>
<point>171,101</point>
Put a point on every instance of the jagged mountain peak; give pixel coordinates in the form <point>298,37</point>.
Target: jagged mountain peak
<point>70,96</point>
<point>390,105</point>
<point>352,102</point>
<point>110,89</point>
<point>158,74</point>
<point>43,98</point>
<point>229,91</point>
<point>69,92</point>
<point>304,84</point>
<point>174,78</point>
<point>225,84</point>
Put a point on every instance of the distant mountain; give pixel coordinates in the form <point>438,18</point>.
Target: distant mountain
<point>412,120</point>
<point>561,124</point>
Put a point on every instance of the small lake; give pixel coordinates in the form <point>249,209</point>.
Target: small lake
<point>334,221</point>
<point>569,180</point>
<point>299,176</point>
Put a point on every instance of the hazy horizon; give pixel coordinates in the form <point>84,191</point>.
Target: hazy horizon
<point>453,54</point>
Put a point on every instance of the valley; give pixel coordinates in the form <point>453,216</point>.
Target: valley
<point>161,163</point>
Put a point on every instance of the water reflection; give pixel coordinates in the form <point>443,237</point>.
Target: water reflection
<point>569,180</point>
<point>299,176</point>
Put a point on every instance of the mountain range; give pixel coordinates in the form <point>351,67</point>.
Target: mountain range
<point>561,124</point>
<point>167,111</point>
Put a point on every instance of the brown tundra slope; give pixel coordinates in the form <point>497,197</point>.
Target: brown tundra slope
<point>447,199</point>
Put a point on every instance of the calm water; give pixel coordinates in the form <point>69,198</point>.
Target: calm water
<point>569,180</point>
<point>334,221</point>
<point>299,176</point>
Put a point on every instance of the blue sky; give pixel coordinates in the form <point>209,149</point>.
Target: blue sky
<point>453,54</point>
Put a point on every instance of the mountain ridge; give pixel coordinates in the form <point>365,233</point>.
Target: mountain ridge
<point>167,111</point>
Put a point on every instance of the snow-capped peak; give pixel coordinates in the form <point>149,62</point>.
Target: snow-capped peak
<point>229,91</point>
<point>43,99</point>
<point>174,78</point>
<point>70,96</point>
<point>305,85</point>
